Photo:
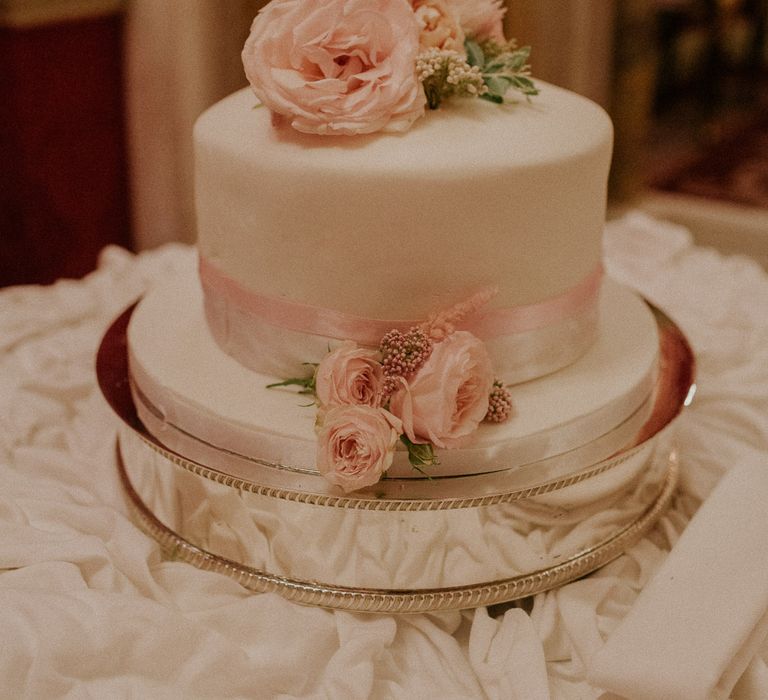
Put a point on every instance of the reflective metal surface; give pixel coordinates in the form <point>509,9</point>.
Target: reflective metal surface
<point>403,599</point>
<point>411,545</point>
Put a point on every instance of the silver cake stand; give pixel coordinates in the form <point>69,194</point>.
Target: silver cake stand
<point>650,494</point>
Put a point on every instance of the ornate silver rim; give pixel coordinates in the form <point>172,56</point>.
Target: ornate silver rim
<point>383,504</point>
<point>403,601</point>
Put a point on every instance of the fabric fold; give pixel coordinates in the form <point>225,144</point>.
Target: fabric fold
<point>92,609</point>
<point>695,628</point>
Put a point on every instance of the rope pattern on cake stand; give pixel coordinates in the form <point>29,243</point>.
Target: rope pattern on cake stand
<point>409,601</point>
<point>384,504</point>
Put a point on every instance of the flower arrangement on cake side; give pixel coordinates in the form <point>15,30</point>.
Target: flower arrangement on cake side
<point>361,66</point>
<point>430,386</point>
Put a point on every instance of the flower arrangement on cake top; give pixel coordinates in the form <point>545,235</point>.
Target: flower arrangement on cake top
<point>430,386</point>
<point>361,66</point>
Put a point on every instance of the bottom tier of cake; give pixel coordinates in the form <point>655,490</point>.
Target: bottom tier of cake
<point>411,544</point>
<point>196,399</point>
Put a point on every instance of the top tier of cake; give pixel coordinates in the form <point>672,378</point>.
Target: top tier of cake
<point>396,226</point>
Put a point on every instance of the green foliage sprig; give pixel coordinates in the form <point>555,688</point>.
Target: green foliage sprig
<point>306,384</point>
<point>489,70</point>
<point>503,67</point>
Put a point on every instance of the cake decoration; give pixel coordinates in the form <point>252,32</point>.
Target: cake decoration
<point>337,255</point>
<point>362,66</point>
<point>428,387</point>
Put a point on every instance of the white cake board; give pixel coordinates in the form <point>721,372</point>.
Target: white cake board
<point>185,384</point>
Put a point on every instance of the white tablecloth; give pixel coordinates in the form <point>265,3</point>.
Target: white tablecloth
<point>90,609</point>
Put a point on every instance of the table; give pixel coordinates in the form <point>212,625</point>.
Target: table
<point>90,608</point>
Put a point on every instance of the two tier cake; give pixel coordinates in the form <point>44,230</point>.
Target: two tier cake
<point>399,370</point>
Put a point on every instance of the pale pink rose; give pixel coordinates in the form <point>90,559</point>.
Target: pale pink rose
<point>446,400</point>
<point>337,66</point>
<point>480,19</point>
<point>349,375</point>
<point>356,444</point>
<point>439,25</point>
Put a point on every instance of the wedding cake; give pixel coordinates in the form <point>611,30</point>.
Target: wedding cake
<point>399,299</point>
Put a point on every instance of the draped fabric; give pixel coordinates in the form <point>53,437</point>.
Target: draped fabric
<point>90,608</point>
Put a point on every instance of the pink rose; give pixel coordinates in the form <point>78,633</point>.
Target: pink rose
<point>349,375</point>
<point>440,28</point>
<point>446,400</point>
<point>337,66</point>
<point>355,445</point>
<point>480,19</point>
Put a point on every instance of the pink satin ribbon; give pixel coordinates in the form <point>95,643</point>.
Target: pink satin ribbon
<point>329,323</point>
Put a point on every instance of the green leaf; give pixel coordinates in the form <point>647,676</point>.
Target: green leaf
<point>516,62</point>
<point>497,85</point>
<point>420,455</point>
<point>497,99</point>
<point>475,55</point>
<point>523,84</point>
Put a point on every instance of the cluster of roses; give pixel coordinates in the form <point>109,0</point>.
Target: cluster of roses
<point>349,66</point>
<point>429,386</point>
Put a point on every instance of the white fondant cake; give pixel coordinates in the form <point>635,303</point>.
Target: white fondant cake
<point>188,385</point>
<point>479,411</point>
<point>396,226</point>
<point>309,242</point>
